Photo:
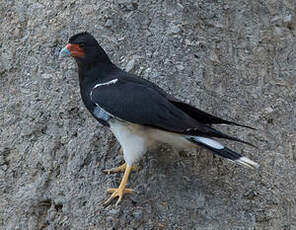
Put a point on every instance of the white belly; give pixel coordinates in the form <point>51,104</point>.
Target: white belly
<point>133,144</point>
<point>173,139</point>
<point>136,139</point>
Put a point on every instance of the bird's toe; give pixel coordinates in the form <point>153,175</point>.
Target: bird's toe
<point>117,192</point>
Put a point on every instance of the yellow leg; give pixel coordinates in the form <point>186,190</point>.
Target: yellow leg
<point>121,190</point>
<point>120,168</point>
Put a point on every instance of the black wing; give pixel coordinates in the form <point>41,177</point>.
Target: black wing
<point>190,110</point>
<point>204,117</point>
<point>138,103</point>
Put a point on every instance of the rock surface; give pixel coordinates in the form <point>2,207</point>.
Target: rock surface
<point>235,59</point>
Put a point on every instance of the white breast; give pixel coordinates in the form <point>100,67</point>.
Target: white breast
<point>133,142</point>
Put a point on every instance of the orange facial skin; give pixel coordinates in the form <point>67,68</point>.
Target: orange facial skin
<point>75,50</point>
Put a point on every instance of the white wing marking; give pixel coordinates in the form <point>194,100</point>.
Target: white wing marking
<point>106,83</point>
<point>209,142</point>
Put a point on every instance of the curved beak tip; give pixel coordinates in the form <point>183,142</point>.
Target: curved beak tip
<point>64,53</point>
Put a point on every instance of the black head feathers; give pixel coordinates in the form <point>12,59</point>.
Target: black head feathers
<point>94,53</point>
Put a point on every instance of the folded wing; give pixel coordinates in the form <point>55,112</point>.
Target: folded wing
<point>138,103</point>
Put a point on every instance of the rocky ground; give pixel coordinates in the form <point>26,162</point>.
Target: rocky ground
<point>235,59</point>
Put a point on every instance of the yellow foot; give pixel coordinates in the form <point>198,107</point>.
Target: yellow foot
<point>121,190</point>
<point>117,192</point>
<point>121,168</point>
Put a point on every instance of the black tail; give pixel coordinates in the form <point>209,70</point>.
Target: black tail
<point>217,148</point>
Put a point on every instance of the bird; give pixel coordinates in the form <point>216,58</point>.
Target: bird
<point>140,114</point>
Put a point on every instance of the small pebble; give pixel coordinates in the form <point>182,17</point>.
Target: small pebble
<point>130,65</point>
<point>138,214</point>
<point>180,67</point>
<point>174,29</point>
<point>114,212</point>
<point>109,219</point>
<point>109,23</point>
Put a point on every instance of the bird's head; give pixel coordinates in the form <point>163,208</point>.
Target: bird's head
<point>85,49</point>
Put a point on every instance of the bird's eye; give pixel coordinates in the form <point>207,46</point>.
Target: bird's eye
<point>82,45</point>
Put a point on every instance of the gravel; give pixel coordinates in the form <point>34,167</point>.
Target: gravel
<point>235,59</point>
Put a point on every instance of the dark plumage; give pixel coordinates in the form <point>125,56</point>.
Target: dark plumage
<point>138,112</point>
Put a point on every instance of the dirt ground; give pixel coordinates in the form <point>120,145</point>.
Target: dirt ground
<point>235,59</point>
